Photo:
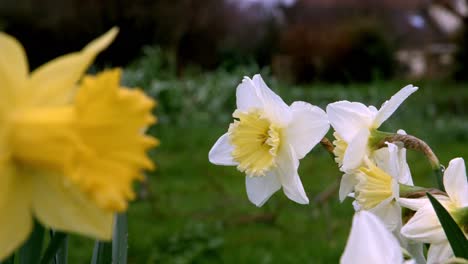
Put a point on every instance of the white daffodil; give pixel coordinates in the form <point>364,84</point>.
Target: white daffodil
<point>267,139</point>
<point>376,184</point>
<point>370,242</point>
<point>354,123</point>
<point>425,227</point>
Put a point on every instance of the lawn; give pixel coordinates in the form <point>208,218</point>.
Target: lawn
<point>190,211</point>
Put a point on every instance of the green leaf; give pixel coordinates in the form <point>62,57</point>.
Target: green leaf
<point>454,234</point>
<point>102,253</point>
<point>30,252</point>
<point>57,249</point>
<point>120,240</point>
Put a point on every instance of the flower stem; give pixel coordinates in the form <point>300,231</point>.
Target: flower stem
<point>414,143</point>
<point>408,191</point>
<point>328,146</point>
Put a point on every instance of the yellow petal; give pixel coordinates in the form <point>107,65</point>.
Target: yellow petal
<point>53,83</point>
<point>15,209</point>
<point>102,42</point>
<point>110,122</point>
<point>60,205</point>
<point>13,69</point>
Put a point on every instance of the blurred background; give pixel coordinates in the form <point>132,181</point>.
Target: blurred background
<point>190,55</point>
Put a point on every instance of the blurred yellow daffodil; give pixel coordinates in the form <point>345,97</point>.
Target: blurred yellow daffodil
<point>69,149</point>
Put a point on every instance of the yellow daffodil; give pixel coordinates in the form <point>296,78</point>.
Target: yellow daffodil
<point>69,150</point>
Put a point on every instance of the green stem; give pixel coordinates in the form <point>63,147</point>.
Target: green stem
<point>120,240</point>
<point>30,252</point>
<point>408,191</point>
<point>57,248</point>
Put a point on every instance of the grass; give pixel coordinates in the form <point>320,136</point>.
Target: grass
<point>190,211</point>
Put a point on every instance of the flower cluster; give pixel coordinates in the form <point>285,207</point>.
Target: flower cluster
<point>268,138</point>
<point>71,145</point>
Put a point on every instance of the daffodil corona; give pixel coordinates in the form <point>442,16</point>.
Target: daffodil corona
<point>267,139</point>
<point>69,150</point>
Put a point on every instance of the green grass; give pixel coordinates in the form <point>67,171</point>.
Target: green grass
<point>190,211</point>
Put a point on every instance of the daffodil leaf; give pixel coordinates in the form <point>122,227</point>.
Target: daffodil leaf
<point>119,241</point>
<point>30,252</point>
<point>57,249</point>
<point>454,234</point>
<point>102,253</point>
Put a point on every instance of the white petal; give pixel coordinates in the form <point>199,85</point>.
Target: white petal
<point>370,242</point>
<point>246,96</point>
<point>390,106</point>
<point>356,151</point>
<point>308,126</point>
<point>416,251</point>
<point>389,213</point>
<point>455,182</point>
<point>392,163</point>
<point>439,253</point>
<point>404,170</point>
<point>348,181</point>
<point>348,118</point>
<point>275,108</point>
<point>424,226</point>
<point>260,189</point>
<point>417,203</point>
<point>220,153</point>
<point>286,171</point>
<point>413,204</point>
<point>356,206</point>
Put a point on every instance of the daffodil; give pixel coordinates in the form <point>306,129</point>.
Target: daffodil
<point>354,123</point>
<point>370,242</point>
<point>425,227</point>
<point>69,150</point>
<point>267,139</point>
<point>376,184</point>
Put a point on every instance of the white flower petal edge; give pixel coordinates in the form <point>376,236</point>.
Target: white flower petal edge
<point>220,153</point>
<point>348,181</point>
<point>348,118</point>
<point>370,242</point>
<point>246,95</point>
<point>418,203</point>
<point>439,253</point>
<point>286,171</point>
<point>260,189</point>
<point>308,126</point>
<point>356,150</point>
<point>390,106</point>
<point>424,226</point>
<point>455,182</point>
<point>275,108</point>
<point>389,212</point>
